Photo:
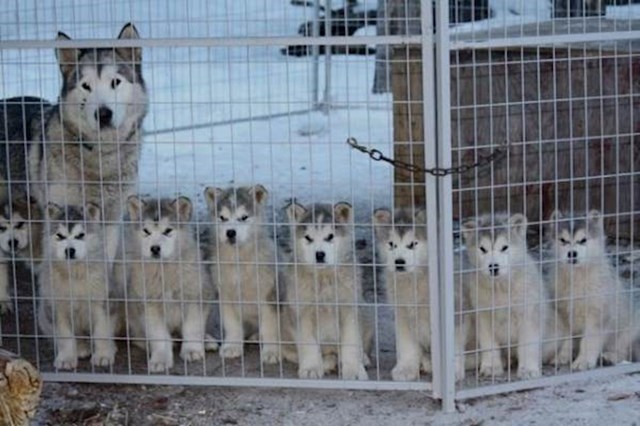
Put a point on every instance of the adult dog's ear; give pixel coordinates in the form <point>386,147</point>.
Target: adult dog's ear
<point>52,210</point>
<point>518,224</point>
<point>135,204</point>
<point>210,195</point>
<point>129,54</point>
<point>92,212</point>
<point>382,222</point>
<point>67,57</point>
<point>468,228</point>
<point>259,193</point>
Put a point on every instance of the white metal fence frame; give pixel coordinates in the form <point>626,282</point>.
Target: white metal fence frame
<point>436,47</point>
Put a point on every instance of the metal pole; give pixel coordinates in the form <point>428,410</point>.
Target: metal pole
<point>327,58</point>
<point>445,209</point>
<point>315,51</point>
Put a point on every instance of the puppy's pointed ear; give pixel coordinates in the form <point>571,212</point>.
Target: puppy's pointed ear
<point>420,217</point>
<point>468,228</point>
<point>295,211</point>
<point>135,205</point>
<point>518,224</point>
<point>52,210</point>
<point>92,212</point>
<point>182,208</point>
<point>595,222</point>
<point>259,193</point>
<point>342,212</point>
<point>381,222</point>
<point>130,54</point>
<point>210,196</point>
<point>382,216</point>
<point>67,57</point>
<point>554,217</point>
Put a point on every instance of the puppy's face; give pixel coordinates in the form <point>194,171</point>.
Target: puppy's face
<point>14,233</point>
<point>236,212</point>
<point>496,244</point>
<point>321,235</point>
<point>577,241</point>
<point>68,242</point>
<point>158,239</point>
<point>401,239</point>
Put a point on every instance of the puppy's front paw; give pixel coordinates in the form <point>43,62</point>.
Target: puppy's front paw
<point>210,344</point>
<point>160,362</point>
<point>192,351</point>
<point>405,373</point>
<point>425,364</point>
<point>313,371</point>
<point>66,361</point>
<point>529,372</point>
<point>270,354</point>
<point>231,350</point>
<point>354,372</point>
<point>491,369</point>
<point>583,363</point>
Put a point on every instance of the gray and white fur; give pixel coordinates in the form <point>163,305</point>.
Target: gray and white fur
<point>20,241</point>
<point>74,287</point>
<point>86,147</point>
<point>165,284</point>
<point>323,311</point>
<point>508,292</point>
<point>244,270</point>
<point>402,249</point>
<point>590,297</point>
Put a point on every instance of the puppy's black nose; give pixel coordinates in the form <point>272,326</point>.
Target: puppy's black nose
<point>13,244</point>
<point>231,234</point>
<point>494,269</point>
<point>155,251</point>
<point>572,256</point>
<point>70,253</point>
<point>103,116</point>
<point>400,264</point>
<point>320,256</point>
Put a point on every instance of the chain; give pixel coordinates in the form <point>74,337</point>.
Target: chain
<point>483,160</point>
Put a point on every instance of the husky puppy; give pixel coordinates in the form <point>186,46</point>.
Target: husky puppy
<point>165,284</point>
<point>74,287</point>
<point>589,295</point>
<point>508,292</point>
<point>244,270</point>
<point>402,246</point>
<point>323,293</point>
<point>20,234</point>
<point>86,147</point>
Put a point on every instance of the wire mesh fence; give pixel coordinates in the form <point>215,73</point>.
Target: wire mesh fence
<point>180,205</point>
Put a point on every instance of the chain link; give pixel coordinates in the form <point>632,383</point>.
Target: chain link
<point>483,160</point>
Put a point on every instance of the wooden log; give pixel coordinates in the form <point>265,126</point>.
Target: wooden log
<point>20,388</point>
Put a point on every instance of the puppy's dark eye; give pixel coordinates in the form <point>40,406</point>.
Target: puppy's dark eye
<point>115,83</point>
<point>222,218</point>
<point>563,241</point>
<point>308,238</point>
<point>504,248</point>
<point>483,250</point>
<point>86,87</point>
<point>244,218</point>
<point>412,245</point>
<point>60,236</point>
<point>146,231</point>
<point>329,238</point>
<point>80,236</point>
<point>582,241</point>
<point>19,225</point>
<point>392,245</point>
<point>167,232</point>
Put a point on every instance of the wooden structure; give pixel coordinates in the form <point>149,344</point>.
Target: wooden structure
<point>571,114</point>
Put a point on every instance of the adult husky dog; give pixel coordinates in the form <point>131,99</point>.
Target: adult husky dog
<point>86,147</point>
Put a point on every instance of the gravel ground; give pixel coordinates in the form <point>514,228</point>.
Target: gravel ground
<point>615,400</point>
